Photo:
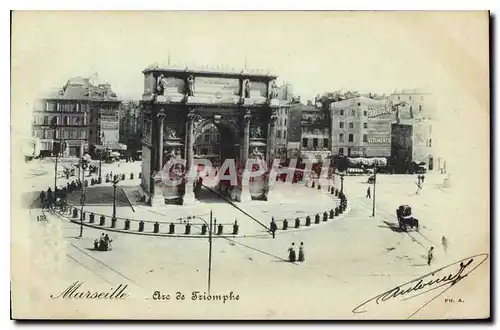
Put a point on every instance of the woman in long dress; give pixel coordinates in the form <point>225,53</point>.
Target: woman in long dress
<point>291,253</point>
<point>301,252</point>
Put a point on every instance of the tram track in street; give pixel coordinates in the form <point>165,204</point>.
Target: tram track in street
<point>82,258</point>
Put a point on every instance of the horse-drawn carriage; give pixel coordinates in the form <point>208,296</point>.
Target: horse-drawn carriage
<point>405,218</point>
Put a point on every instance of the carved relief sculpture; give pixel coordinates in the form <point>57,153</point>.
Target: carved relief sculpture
<point>257,153</point>
<point>170,133</point>
<point>247,88</point>
<point>256,132</point>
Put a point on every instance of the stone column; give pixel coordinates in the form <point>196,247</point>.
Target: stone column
<point>245,147</point>
<point>189,193</point>
<point>157,198</point>
<point>271,138</point>
<point>246,137</point>
<point>161,117</point>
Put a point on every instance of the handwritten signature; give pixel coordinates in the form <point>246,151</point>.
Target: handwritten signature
<point>444,277</point>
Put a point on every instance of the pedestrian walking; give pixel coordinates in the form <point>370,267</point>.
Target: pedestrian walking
<point>423,178</point>
<point>430,255</point>
<point>274,227</point>
<point>301,252</point>
<point>444,242</point>
<point>291,253</point>
<point>368,193</point>
<point>419,188</point>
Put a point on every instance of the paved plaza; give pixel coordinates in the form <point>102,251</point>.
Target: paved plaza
<point>255,266</point>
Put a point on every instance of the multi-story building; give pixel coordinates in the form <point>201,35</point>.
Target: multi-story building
<point>417,103</point>
<point>281,133</point>
<point>294,130</point>
<point>315,134</point>
<point>361,127</point>
<point>75,116</point>
<point>61,125</point>
<point>207,143</point>
<point>130,125</point>
<point>285,92</point>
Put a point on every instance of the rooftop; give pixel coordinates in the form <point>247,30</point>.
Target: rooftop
<point>209,70</point>
<point>83,88</point>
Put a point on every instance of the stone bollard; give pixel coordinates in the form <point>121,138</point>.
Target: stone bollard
<point>141,226</point>
<point>285,224</point>
<point>188,229</point>
<point>140,175</point>
<point>75,213</point>
<point>99,180</point>
<point>113,222</point>
<point>337,211</point>
<point>332,191</point>
<point>336,192</point>
<point>91,218</point>
<point>319,186</point>
<point>332,213</point>
<point>235,228</point>
<point>171,229</point>
<point>123,177</point>
<point>127,224</point>
<point>297,223</point>
<point>131,176</point>
<point>219,229</point>
<point>203,229</point>
<point>313,184</point>
<point>156,228</point>
<point>308,221</point>
<point>102,220</point>
<point>316,218</point>
<point>325,216</point>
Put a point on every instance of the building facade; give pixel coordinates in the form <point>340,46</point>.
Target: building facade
<point>61,125</point>
<point>130,129</point>
<point>75,117</point>
<point>361,127</point>
<point>315,134</point>
<point>418,103</point>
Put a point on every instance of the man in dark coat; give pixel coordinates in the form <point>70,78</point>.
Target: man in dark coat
<point>274,227</point>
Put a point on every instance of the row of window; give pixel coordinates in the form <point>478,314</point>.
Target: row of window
<point>351,138</point>
<point>315,143</point>
<point>353,112</point>
<point>55,134</point>
<point>410,98</point>
<point>55,120</point>
<point>351,125</point>
<point>62,107</point>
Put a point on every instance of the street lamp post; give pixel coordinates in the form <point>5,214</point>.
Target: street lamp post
<point>374,184</point>
<point>82,203</point>
<point>342,183</point>
<point>209,249</point>
<point>210,252</point>
<point>100,164</point>
<point>115,182</point>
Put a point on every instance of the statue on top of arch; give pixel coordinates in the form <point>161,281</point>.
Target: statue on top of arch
<point>190,86</point>
<point>274,90</point>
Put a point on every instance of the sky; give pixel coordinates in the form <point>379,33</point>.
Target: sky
<point>316,52</point>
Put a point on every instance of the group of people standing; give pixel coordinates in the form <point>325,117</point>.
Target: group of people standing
<point>292,256</point>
